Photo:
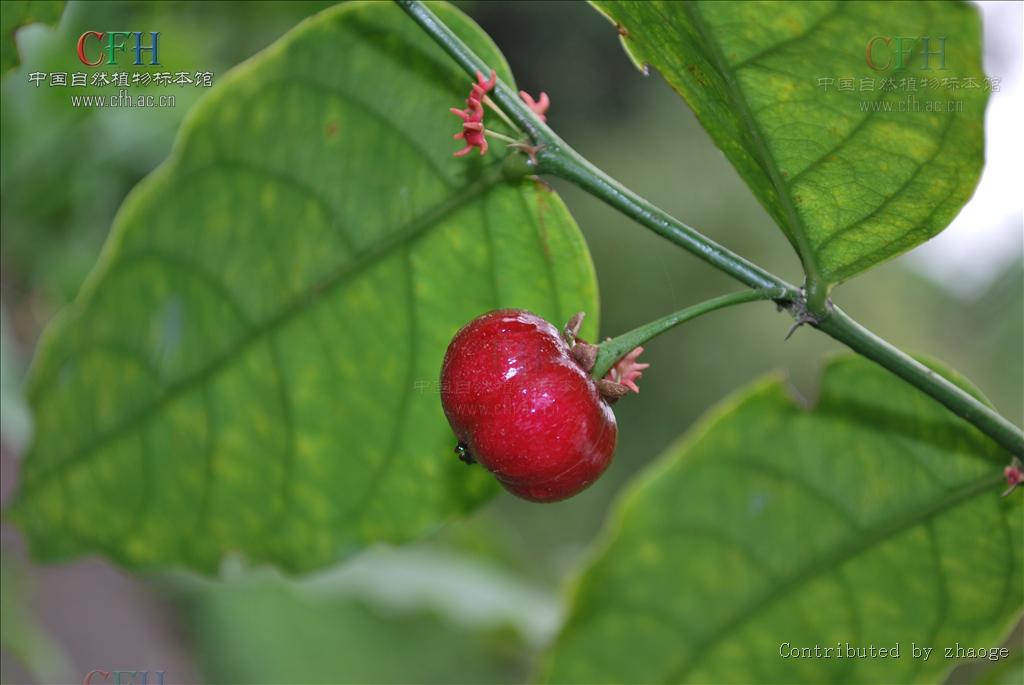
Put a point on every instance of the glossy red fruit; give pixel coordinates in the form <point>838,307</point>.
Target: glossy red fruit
<point>523,408</point>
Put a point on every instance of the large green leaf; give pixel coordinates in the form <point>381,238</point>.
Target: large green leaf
<point>253,366</point>
<point>872,519</point>
<point>18,13</point>
<point>850,182</point>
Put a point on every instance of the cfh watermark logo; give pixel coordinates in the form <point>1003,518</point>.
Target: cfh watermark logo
<point>98,677</point>
<point>883,53</point>
<point>106,47</point>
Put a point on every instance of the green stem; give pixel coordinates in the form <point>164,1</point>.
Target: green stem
<point>611,351</point>
<point>558,158</point>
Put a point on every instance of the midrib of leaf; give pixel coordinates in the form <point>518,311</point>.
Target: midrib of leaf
<point>313,294</point>
<point>799,231</point>
<point>864,541</point>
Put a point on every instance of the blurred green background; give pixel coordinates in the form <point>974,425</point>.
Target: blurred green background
<point>478,599</point>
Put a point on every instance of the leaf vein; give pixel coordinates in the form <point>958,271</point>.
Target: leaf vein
<point>835,11</point>
<point>895,193</point>
<point>385,248</point>
<point>868,540</point>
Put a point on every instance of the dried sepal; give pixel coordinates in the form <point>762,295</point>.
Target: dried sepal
<point>610,390</point>
<point>584,354</point>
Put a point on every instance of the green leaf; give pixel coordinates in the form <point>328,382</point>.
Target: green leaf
<point>851,186</point>
<point>253,365</point>
<point>18,13</point>
<point>872,519</point>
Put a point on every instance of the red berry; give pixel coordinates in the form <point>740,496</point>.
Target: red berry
<point>523,408</point>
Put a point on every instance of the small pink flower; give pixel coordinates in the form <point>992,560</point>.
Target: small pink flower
<point>473,131</point>
<point>627,370</point>
<point>539,107</point>
<point>481,88</point>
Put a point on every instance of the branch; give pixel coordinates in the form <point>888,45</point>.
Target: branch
<point>611,351</point>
